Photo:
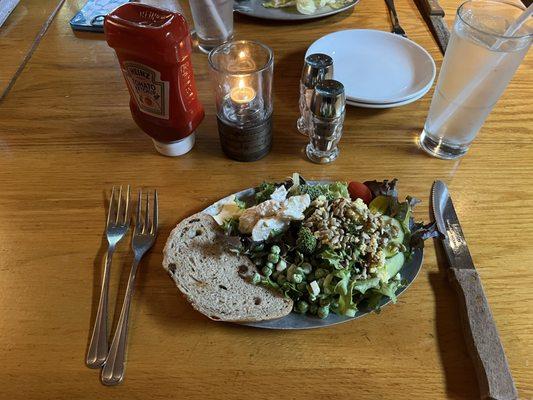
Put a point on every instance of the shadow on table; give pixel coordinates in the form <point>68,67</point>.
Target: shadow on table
<point>461,381</point>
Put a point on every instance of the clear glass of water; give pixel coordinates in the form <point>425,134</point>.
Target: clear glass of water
<point>213,22</point>
<point>479,63</point>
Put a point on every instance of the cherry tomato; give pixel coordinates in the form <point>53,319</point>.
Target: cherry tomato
<point>360,190</point>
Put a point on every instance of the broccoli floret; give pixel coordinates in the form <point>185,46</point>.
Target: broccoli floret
<point>312,191</point>
<point>306,241</point>
<point>264,191</point>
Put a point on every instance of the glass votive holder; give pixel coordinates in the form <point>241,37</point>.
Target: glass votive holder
<point>242,73</point>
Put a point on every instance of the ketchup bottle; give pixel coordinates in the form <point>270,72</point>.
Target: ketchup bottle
<point>154,48</point>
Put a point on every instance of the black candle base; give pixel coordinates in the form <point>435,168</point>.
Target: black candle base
<point>246,144</point>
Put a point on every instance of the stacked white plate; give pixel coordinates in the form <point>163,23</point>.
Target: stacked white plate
<point>378,69</point>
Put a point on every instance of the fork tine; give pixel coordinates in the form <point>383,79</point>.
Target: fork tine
<point>156,217</point>
<point>138,219</point>
<point>127,210</point>
<point>111,203</point>
<point>117,219</point>
<point>146,228</point>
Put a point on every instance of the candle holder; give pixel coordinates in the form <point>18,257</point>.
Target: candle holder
<point>242,76</point>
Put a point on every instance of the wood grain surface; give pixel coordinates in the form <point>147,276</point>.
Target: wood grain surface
<point>23,28</point>
<point>66,136</point>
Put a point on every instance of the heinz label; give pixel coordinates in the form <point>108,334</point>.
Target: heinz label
<point>146,86</point>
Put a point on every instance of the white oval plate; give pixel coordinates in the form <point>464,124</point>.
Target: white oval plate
<point>386,105</point>
<point>409,272</point>
<point>254,8</point>
<point>377,67</point>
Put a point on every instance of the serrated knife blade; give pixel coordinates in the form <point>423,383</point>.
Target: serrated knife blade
<point>486,351</point>
<point>454,242</point>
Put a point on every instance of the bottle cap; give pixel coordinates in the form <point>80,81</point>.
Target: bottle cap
<point>329,99</point>
<point>177,148</point>
<point>317,67</point>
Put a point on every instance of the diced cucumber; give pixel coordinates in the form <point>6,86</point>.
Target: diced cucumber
<point>394,264</point>
<point>393,221</point>
<point>390,251</point>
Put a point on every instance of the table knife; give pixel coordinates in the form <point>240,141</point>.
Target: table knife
<point>435,14</point>
<point>493,373</point>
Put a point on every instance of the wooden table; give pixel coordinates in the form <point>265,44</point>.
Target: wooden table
<point>20,35</point>
<point>66,136</point>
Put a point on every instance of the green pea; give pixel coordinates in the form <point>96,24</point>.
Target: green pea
<point>297,278</point>
<point>267,271</point>
<point>273,258</point>
<point>302,307</point>
<point>306,268</point>
<point>256,279</point>
<point>323,312</point>
<point>275,249</point>
<point>269,265</point>
<point>281,265</point>
<point>281,279</point>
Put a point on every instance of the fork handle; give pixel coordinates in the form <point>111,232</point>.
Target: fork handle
<point>97,352</point>
<point>393,14</point>
<point>113,371</point>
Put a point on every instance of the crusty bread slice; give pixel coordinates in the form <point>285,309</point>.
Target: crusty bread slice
<point>213,279</point>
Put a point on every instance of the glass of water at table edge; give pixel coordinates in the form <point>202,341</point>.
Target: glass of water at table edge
<point>479,63</point>
<point>213,22</point>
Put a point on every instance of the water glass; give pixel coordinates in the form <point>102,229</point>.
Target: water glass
<point>213,22</point>
<point>480,60</point>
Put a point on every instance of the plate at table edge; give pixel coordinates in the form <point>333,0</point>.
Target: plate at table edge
<point>294,321</point>
<point>419,89</point>
<point>254,8</point>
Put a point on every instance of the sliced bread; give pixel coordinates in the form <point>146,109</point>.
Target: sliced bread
<point>215,280</point>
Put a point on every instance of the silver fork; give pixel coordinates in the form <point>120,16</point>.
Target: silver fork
<point>116,227</point>
<point>143,238</point>
<point>396,28</point>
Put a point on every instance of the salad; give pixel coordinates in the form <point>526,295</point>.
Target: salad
<point>333,247</point>
<point>306,6</point>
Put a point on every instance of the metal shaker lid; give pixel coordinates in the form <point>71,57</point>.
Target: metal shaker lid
<point>317,67</point>
<point>329,99</point>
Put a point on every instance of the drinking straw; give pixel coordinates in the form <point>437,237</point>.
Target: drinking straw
<point>478,80</point>
<point>212,8</point>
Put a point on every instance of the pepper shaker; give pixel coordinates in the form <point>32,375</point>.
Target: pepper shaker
<point>317,67</point>
<point>328,106</point>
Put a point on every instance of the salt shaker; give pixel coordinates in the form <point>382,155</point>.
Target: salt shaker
<point>328,105</point>
<point>317,67</point>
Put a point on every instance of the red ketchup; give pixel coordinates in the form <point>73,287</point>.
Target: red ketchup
<point>154,48</point>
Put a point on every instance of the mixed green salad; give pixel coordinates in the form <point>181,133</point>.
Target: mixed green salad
<point>333,247</point>
<point>305,6</point>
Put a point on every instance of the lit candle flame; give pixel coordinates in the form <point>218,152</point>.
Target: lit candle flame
<point>242,94</point>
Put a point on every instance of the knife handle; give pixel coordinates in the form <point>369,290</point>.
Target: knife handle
<point>434,8</point>
<point>493,373</point>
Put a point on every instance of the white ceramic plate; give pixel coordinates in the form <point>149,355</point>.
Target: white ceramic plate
<point>386,105</point>
<point>254,8</point>
<point>377,67</point>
